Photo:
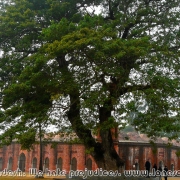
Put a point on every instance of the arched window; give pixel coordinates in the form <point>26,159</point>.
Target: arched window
<point>59,163</point>
<point>74,164</point>
<point>22,162</point>
<point>46,164</point>
<point>89,164</point>
<point>34,162</point>
<point>10,163</point>
<point>1,164</point>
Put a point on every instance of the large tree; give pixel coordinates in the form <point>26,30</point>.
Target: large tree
<point>98,69</point>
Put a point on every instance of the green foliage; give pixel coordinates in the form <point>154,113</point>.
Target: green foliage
<point>89,151</point>
<point>154,147</point>
<point>54,144</point>
<point>27,139</point>
<point>95,69</point>
<point>178,153</point>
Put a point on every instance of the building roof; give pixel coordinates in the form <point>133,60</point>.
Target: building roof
<point>138,137</point>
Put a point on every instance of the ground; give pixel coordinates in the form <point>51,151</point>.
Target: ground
<point>53,178</point>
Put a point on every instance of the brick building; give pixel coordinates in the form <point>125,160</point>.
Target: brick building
<point>133,148</point>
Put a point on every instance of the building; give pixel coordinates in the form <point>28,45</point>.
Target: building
<point>132,147</point>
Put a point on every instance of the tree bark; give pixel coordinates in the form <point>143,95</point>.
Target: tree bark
<point>41,153</point>
<point>105,154</point>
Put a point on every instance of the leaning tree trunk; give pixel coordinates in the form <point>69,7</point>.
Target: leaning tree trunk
<point>104,152</point>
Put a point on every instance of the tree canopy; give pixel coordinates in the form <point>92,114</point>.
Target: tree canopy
<point>66,64</point>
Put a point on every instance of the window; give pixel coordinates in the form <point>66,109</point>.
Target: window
<point>59,163</point>
<point>89,164</point>
<point>46,164</point>
<point>1,164</point>
<point>34,163</point>
<point>10,163</point>
<point>74,164</point>
<point>22,162</point>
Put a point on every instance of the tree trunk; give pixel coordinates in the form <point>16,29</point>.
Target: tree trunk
<point>105,154</point>
<point>40,145</point>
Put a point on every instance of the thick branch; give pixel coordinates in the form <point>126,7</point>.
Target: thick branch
<point>133,88</point>
<point>74,110</point>
<point>126,30</point>
<point>74,117</point>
